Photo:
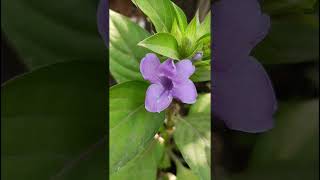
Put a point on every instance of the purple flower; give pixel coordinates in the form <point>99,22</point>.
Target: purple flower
<point>168,80</point>
<point>243,96</point>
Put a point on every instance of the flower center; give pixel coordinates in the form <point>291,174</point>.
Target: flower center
<point>166,83</point>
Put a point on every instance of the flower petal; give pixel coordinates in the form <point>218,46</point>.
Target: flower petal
<point>167,68</point>
<point>157,98</point>
<point>184,70</point>
<point>103,26</point>
<point>237,27</point>
<point>243,97</point>
<point>186,92</point>
<point>149,67</point>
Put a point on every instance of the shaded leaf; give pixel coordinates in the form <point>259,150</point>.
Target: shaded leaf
<point>292,39</point>
<point>46,32</point>
<point>53,123</point>
<point>295,136</point>
<point>287,6</point>
<point>291,149</point>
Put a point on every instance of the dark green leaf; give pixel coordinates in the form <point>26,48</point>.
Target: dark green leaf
<point>125,54</point>
<point>131,127</point>
<point>192,136</point>
<point>287,6</point>
<point>294,138</point>
<point>160,12</point>
<point>46,32</point>
<point>281,171</point>
<point>162,43</point>
<point>53,123</point>
<point>291,149</point>
<point>292,39</point>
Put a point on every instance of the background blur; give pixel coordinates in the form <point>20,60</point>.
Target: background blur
<point>290,54</point>
<point>53,120</point>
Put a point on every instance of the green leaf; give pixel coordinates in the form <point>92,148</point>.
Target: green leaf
<point>192,29</point>
<point>202,105</point>
<point>185,173</point>
<point>176,32</point>
<point>143,166</point>
<point>288,6</point>
<point>125,54</point>
<point>205,26</point>
<point>292,39</point>
<point>160,12</point>
<point>205,42</point>
<point>295,136</point>
<point>47,32</point>
<point>203,71</point>
<point>180,17</point>
<point>162,43</point>
<point>131,127</point>
<point>192,136</point>
<point>189,44</point>
<point>53,123</point>
<point>165,162</point>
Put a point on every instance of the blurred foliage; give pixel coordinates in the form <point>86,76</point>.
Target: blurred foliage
<point>53,123</point>
<point>46,32</point>
<point>290,53</point>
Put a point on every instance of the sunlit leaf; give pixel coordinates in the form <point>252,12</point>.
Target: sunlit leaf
<point>192,136</point>
<point>143,166</point>
<point>160,12</point>
<point>162,43</point>
<point>125,54</point>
